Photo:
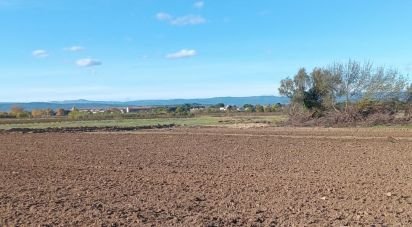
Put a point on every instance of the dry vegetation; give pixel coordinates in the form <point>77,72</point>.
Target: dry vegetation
<point>349,94</point>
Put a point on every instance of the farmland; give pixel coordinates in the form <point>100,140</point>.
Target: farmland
<point>184,121</point>
<point>208,177</point>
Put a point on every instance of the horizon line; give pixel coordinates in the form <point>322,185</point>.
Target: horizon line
<point>138,100</point>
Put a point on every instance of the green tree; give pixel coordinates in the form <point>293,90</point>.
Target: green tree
<point>183,109</point>
<point>326,86</point>
<point>267,108</point>
<point>75,114</point>
<point>295,88</point>
<point>350,81</point>
<point>259,108</point>
<point>249,108</point>
<point>313,99</point>
<point>180,109</point>
<point>275,108</point>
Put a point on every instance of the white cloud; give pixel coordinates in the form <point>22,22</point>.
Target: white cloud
<point>181,21</point>
<point>40,53</point>
<point>74,48</point>
<point>185,53</point>
<point>199,4</point>
<point>188,20</point>
<point>88,62</point>
<point>164,16</point>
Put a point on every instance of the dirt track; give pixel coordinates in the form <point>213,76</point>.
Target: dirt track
<point>207,177</point>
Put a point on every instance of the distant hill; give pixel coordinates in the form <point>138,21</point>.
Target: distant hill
<point>239,101</point>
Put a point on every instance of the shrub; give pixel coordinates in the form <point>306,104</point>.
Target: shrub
<point>38,113</point>
<point>60,112</point>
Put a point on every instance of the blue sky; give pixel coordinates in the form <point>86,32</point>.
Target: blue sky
<point>162,49</point>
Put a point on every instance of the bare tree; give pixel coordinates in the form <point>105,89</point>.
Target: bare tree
<point>350,78</point>
<point>385,84</point>
<point>351,81</point>
<point>356,80</point>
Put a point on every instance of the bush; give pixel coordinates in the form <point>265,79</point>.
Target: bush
<point>24,114</point>
<point>77,115</point>
<point>259,108</point>
<point>38,113</point>
<point>6,115</point>
<point>60,112</point>
<point>364,114</point>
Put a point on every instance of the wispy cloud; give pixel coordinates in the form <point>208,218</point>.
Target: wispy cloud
<point>164,16</point>
<point>199,4</point>
<point>88,62</point>
<point>188,20</point>
<point>40,53</point>
<point>185,53</point>
<point>74,48</point>
<point>181,21</point>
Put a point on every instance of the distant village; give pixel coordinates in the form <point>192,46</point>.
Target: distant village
<point>191,108</point>
<point>186,109</point>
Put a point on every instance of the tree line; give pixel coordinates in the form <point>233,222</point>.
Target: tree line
<point>340,86</point>
<point>185,110</point>
<point>346,94</point>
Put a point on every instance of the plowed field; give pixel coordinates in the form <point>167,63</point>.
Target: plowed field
<point>207,177</point>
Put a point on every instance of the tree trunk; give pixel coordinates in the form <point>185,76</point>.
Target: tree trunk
<point>333,104</point>
<point>347,99</point>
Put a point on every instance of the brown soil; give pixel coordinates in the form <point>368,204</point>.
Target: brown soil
<point>84,129</point>
<point>207,177</point>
